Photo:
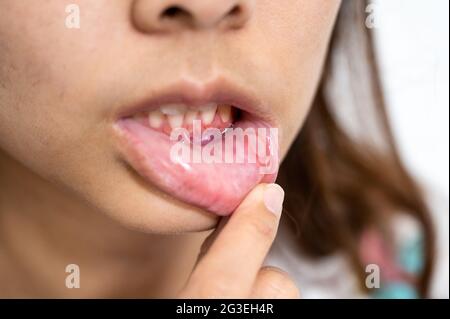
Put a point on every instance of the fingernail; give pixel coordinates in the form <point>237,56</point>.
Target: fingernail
<point>273,198</point>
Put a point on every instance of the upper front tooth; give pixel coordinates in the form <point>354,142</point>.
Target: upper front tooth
<point>208,112</point>
<point>173,109</point>
<point>155,118</point>
<point>175,121</point>
<point>224,112</point>
<point>190,116</point>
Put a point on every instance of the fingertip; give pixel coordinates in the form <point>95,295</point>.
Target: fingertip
<point>273,198</point>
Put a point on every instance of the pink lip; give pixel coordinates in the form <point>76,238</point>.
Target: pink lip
<point>216,187</point>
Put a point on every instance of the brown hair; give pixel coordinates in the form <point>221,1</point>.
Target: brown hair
<point>339,183</point>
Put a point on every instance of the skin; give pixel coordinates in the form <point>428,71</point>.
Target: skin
<point>60,92</point>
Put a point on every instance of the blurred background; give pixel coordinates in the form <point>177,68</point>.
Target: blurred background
<point>413,38</point>
<point>413,45</point>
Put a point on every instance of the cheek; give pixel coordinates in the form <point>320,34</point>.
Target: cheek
<point>296,37</point>
<point>43,74</point>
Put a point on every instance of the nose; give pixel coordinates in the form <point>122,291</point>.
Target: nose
<point>152,16</point>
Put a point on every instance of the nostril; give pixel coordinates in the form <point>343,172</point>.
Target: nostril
<point>235,11</point>
<point>171,16</point>
<point>175,12</point>
<point>237,16</point>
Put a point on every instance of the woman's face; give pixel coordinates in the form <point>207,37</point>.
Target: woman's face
<point>72,98</point>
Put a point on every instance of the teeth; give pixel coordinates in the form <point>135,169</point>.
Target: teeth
<point>173,109</point>
<point>155,119</point>
<point>178,114</point>
<point>175,121</point>
<point>224,112</point>
<point>190,116</point>
<point>208,112</point>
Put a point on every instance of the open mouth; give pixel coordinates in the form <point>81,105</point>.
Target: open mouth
<point>207,149</point>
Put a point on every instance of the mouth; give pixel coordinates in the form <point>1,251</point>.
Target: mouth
<point>207,146</point>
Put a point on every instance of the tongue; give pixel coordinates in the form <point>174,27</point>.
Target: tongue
<point>212,183</point>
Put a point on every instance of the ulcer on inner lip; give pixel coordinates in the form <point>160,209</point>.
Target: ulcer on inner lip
<point>171,116</point>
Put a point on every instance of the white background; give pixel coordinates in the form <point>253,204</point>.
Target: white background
<point>414,49</point>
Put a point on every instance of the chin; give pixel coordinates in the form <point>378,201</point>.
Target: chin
<point>153,212</point>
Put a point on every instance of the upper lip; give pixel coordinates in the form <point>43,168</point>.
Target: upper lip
<point>194,94</point>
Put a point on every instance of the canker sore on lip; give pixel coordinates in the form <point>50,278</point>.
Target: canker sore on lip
<point>216,187</point>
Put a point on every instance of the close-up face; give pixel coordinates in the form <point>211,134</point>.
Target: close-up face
<point>89,108</point>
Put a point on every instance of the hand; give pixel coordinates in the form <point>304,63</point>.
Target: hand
<point>230,261</point>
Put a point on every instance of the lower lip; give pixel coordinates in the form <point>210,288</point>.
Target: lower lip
<point>215,187</point>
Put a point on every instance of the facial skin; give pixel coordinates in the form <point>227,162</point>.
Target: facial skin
<point>61,89</point>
